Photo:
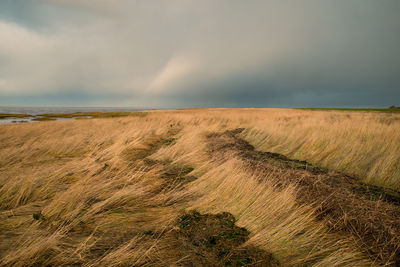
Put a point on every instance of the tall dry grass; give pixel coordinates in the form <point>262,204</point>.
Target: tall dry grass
<point>363,144</point>
<point>101,201</point>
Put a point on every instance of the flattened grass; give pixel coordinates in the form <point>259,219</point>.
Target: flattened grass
<point>111,191</point>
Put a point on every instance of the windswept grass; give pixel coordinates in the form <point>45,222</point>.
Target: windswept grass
<point>113,192</point>
<point>366,145</point>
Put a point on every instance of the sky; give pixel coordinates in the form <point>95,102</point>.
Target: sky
<point>205,53</point>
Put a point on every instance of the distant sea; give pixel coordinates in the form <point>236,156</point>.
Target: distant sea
<point>42,110</point>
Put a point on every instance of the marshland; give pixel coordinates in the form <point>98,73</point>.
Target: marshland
<point>199,133</point>
<point>202,187</point>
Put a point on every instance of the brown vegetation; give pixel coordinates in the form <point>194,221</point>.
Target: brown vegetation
<point>44,119</point>
<point>213,240</point>
<point>369,213</point>
<point>118,192</point>
<point>13,115</point>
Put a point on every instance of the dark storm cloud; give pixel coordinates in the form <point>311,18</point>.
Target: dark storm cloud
<point>41,15</point>
<point>201,53</point>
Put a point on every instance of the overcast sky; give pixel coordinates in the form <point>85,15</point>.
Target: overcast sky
<point>180,53</point>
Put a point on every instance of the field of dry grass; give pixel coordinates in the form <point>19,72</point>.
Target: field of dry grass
<point>212,187</point>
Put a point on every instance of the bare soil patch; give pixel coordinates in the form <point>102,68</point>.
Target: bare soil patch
<point>213,240</point>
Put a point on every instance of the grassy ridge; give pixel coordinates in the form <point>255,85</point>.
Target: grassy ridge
<point>389,110</point>
<point>363,144</point>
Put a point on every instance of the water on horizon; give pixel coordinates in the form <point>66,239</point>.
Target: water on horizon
<point>42,110</point>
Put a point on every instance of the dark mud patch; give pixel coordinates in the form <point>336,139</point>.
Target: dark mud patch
<point>214,240</point>
<point>369,214</point>
<point>374,192</point>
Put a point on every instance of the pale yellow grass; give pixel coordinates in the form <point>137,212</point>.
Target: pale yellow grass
<point>97,202</point>
<point>278,224</point>
<point>364,144</point>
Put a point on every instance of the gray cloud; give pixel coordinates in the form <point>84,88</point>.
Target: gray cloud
<point>200,53</point>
